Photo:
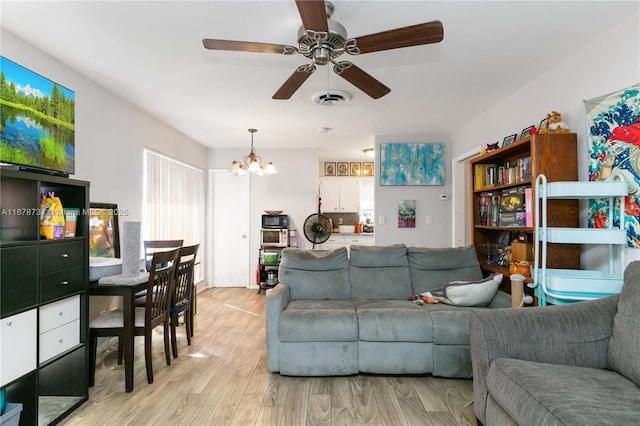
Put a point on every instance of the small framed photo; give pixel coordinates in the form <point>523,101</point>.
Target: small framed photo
<point>367,168</point>
<point>342,168</point>
<point>544,124</point>
<point>509,139</point>
<point>527,131</point>
<point>329,169</point>
<point>355,169</point>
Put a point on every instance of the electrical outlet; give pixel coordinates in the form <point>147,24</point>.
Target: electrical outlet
<point>429,220</point>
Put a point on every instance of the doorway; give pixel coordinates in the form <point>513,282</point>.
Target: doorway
<point>461,211</point>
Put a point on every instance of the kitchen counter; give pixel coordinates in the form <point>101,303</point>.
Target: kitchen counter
<point>353,234</point>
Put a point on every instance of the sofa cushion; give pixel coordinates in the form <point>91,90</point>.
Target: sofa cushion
<point>311,320</point>
<point>392,321</point>
<point>432,267</point>
<point>624,345</point>
<point>552,394</point>
<point>469,293</point>
<point>315,274</point>
<point>379,272</point>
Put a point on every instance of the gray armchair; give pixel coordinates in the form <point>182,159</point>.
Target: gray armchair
<point>575,364</point>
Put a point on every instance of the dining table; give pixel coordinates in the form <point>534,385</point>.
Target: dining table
<point>125,286</point>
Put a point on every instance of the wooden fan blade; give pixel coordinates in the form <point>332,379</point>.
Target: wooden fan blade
<point>313,14</point>
<point>294,82</point>
<point>243,46</point>
<point>414,35</point>
<point>361,79</point>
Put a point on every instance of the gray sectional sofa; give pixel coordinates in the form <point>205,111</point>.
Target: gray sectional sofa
<point>340,314</point>
<point>576,364</point>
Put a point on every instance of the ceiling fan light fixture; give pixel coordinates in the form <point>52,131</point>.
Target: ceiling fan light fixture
<point>369,152</point>
<point>252,163</point>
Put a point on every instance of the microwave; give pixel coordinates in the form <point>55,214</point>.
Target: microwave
<point>274,237</point>
<point>275,221</point>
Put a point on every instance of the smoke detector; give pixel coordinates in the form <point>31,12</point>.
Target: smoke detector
<point>331,97</point>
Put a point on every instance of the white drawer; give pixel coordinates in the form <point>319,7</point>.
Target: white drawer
<point>359,241</point>
<point>18,340</point>
<point>55,314</point>
<point>59,340</point>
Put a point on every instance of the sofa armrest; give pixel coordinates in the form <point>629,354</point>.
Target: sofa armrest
<point>277,299</point>
<point>576,334</point>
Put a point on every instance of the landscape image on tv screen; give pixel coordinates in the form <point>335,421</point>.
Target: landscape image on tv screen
<point>37,120</point>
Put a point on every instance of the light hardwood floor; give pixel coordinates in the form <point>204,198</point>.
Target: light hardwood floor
<point>222,379</point>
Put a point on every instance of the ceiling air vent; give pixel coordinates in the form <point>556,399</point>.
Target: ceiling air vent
<point>331,97</point>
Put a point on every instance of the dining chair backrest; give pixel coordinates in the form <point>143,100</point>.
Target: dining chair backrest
<point>152,246</point>
<point>184,275</point>
<point>160,286</point>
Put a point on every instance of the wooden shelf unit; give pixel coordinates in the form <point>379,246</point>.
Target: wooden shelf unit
<point>554,155</point>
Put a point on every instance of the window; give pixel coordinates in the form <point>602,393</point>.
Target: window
<point>173,202</point>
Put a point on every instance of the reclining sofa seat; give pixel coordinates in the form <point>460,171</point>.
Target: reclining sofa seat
<point>317,332</point>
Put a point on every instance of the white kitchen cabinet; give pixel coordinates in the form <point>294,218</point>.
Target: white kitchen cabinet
<point>340,194</point>
<point>18,345</point>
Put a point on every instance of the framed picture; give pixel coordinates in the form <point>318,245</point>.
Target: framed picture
<point>342,168</point>
<point>355,169</point>
<point>543,124</point>
<point>527,131</point>
<point>367,168</point>
<point>329,169</point>
<point>408,164</point>
<point>406,213</point>
<point>509,139</point>
<point>104,238</point>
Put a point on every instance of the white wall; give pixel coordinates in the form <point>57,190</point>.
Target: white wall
<point>438,233</point>
<point>607,64</point>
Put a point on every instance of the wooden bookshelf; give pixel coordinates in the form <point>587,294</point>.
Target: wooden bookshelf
<point>554,155</point>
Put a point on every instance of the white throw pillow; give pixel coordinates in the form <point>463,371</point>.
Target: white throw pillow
<point>469,293</point>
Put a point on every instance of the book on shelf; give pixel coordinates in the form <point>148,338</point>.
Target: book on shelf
<point>528,206</point>
<point>514,171</point>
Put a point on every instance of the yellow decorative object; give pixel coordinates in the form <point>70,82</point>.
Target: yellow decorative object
<point>51,217</point>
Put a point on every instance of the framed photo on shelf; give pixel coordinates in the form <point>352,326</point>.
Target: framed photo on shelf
<point>527,131</point>
<point>104,239</point>
<point>509,139</point>
<point>544,124</point>
<point>329,168</point>
<point>342,168</point>
<point>355,169</point>
<point>367,168</point>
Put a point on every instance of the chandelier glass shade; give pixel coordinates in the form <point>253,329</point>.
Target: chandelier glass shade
<point>252,163</point>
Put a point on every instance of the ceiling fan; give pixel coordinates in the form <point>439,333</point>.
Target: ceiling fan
<point>322,40</point>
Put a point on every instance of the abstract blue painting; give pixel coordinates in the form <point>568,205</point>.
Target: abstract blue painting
<point>407,164</point>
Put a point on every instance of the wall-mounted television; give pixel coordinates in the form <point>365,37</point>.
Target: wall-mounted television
<point>37,121</point>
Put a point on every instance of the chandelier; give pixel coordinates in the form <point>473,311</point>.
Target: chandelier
<point>252,163</point>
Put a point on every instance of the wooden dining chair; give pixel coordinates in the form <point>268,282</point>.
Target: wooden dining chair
<point>151,247</point>
<point>182,299</point>
<point>154,313</point>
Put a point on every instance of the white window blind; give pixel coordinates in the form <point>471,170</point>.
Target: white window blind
<point>173,207</point>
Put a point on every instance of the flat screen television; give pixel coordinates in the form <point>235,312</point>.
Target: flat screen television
<point>37,121</point>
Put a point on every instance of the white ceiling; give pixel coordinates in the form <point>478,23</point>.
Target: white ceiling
<point>150,53</point>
